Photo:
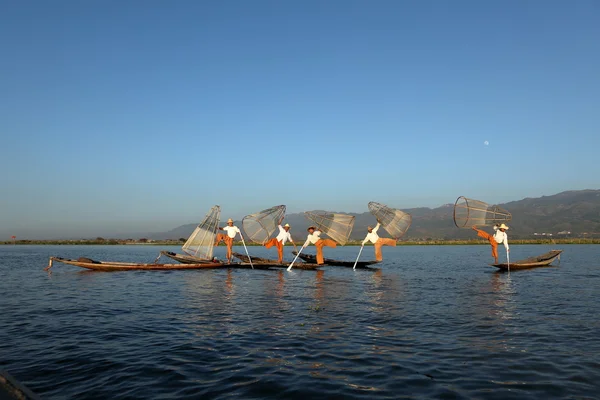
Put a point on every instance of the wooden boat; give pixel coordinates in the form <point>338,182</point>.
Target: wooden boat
<point>10,388</point>
<point>532,262</point>
<point>273,263</point>
<point>88,263</point>
<point>198,248</point>
<point>337,263</point>
<point>247,265</point>
<point>184,258</point>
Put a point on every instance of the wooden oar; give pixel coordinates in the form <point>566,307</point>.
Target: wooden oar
<point>248,254</point>
<point>356,262</point>
<point>507,259</point>
<point>295,258</point>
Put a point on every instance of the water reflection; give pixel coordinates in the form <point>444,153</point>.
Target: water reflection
<point>377,277</point>
<point>318,293</point>
<point>229,284</point>
<point>275,288</point>
<point>503,289</point>
<point>197,287</point>
<point>384,291</point>
<point>248,333</point>
<point>375,293</point>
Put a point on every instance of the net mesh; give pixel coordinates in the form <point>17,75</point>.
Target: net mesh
<point>469,212</point>
<point>395,222</point>
<point>337,226</point>
<point>201,242</point>
<point>260,226</point>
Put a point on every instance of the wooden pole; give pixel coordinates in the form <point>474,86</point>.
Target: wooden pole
<point>356,262</point>
<point>295,258</point>
<point>248,254</point>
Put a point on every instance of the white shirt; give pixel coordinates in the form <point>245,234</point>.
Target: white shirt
<point>284,236</point>
<point>231,231</point>
<point>314,238</point>
<point>372,236</point>
<point>501,237</point>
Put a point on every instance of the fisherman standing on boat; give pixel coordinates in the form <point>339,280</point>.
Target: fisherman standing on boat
<point>314,238</point>
<point>228,238</point>
<point>499,237</point>
<point>279,241</point>
<point>377,241</point>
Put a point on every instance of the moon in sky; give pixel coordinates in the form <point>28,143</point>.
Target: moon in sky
<point>486,142</point>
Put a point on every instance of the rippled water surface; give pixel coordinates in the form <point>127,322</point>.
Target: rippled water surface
<point>431,322</point>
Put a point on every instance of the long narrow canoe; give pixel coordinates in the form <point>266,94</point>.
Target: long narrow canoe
<point>10,388</point>
<point>532,262</point>
<point>128,266</point>
<point>337,263</point>
<point>273,263</point>
<point>184,258</point>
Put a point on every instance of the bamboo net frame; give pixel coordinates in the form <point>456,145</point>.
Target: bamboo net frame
<point>471,212</point>
<point>395,222</point>
<point>261,225</point>
<point>202,241</point>
<point>336,225</point>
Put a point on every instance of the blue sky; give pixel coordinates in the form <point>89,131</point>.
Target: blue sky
<point>140,115</point>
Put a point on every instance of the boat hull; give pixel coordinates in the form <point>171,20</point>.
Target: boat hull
<point>184,258</point>
<point>335,263</point>
<point>274,263</point>
<point>545,260</point>
<point>126,266</point>
<point>10,388</point>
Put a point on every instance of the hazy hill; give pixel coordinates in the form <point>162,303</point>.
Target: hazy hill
<point>574,211</point>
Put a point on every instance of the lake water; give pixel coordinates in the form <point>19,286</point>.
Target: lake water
<point>432,322</point>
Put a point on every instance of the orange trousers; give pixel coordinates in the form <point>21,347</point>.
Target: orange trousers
<point>274,242</point>
<point>228,241</point>
<point>492,241</point>
<point>382,242</point>
<point>319,245</point>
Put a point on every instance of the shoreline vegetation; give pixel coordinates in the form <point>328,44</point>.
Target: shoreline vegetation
<point>180,242</point>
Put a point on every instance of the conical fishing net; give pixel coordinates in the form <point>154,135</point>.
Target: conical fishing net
<point>337,226</point>
<point>395,222</point>
<point>469,212</point>
<point>201,242</point>
<point>261,225</point>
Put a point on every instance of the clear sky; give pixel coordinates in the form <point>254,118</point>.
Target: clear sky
<point>139,115</point>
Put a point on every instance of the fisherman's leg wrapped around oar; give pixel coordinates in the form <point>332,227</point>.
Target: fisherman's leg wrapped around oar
<point>221,237</point>
<point>382,242</point>
<point>319,245</point>
<point>489,238</point>
<point>228,242</point>
<point>274,242</point>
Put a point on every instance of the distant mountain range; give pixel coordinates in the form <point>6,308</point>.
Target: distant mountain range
<point>577,212</point>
